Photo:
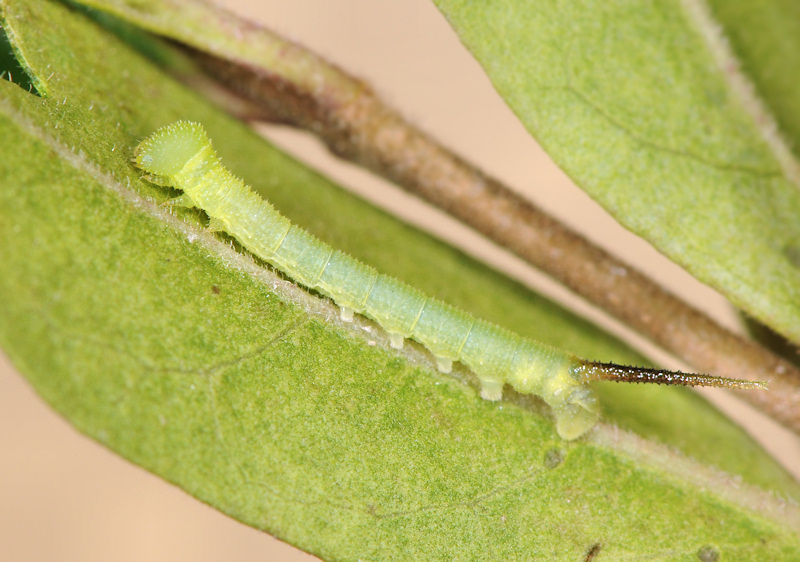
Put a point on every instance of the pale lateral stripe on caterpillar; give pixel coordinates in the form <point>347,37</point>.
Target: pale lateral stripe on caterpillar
<point>181,155</point>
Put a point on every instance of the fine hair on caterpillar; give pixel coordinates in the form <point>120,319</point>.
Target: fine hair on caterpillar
<point>181,156</point>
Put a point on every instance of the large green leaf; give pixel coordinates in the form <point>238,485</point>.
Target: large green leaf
<point>639,103</point>
<point>171,347</point>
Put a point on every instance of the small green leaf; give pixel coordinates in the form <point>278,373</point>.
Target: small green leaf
<point>171,347</point>
<point>641,105</point>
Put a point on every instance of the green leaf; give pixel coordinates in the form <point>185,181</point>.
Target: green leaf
<point>642,105</point>
<point>168,345</point>
<point>764,37</point>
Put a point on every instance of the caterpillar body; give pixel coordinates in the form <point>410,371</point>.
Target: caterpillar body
<point>181,156</point>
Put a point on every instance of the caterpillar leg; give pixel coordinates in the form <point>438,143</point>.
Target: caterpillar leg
<point>158,180</point>
<point>216,225</point>
<point>396,340</point>
<point>346,313</point>
<point>577,414</point>
<point>491,389</point>
<point>180,201</point>
<point>444,364</point>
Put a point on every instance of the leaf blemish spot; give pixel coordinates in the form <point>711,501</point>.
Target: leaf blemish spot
<point>553,458</point>
<point>708,553</point>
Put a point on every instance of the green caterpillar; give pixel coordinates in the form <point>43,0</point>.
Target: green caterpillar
<point>180,155</point>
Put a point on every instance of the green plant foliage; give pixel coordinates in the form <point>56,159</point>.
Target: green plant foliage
<point>168,345</point>
<point>639,104</point>
<point>764,37</point>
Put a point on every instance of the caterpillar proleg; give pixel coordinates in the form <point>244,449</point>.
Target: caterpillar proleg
<point>181,156</point>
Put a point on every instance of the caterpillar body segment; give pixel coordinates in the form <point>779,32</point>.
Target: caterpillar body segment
<point>181,155</point>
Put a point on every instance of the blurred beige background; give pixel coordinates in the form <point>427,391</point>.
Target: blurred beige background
<point>64,497</point>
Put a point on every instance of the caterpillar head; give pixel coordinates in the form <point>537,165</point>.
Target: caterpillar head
<point>165,153</point>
